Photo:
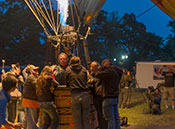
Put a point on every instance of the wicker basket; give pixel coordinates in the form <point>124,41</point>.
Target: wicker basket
<point>62,101</point>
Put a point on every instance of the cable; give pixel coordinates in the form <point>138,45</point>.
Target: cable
<point>149,9</point>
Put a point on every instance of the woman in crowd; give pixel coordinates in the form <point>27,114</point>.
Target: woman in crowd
<point>44,90</point>
<point>95,85</point>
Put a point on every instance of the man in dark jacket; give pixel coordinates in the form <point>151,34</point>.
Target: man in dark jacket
<point>30,99</point>
<point>110,77</point>
<point>76,79</point>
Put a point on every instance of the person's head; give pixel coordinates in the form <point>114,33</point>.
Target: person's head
<point>9,83</point>
<point>34,70</point>
<point>42,79</point>
<point>150,89</point>
<point>128,73</point>
<point>94,67</point>
<point>169,67</point>
<point>125,71</point>
<point>63,59</point>
<point>16,68</point>
<point>75,60</point>
<point>157,91</point>
<point>47,70</point>
<point>107,63</point>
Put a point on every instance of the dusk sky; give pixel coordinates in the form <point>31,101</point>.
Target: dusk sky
<point>155,20</point>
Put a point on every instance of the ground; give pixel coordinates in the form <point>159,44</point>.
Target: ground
<point>137,120</point>
<point>149,127</point>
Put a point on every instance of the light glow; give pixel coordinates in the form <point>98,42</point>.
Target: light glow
<point>63,10</point>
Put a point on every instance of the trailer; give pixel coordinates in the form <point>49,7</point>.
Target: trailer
<point>147,73</point>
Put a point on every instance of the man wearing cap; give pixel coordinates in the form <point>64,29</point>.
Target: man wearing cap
<point>59,70</point>
<point>30,100</point>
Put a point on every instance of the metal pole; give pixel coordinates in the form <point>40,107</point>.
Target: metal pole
<point>86,52</point>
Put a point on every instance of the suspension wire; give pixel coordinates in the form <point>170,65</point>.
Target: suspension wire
<point>42,20</point>
<point>49,21</point>
<point>149,9</point>
<point>35,14</point>
<point>53,19</point>
<point>58,19</point>
<point>76,12</point>
<point>43,14</point>
<point>72,14</point>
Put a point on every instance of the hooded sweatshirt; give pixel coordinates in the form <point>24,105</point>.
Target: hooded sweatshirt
<point>110,81</point>
<point>76,78</point>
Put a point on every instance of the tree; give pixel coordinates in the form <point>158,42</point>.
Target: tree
<point>138,44</point>
<point>20,34</point>
<point>114,37</point>
<point>103,42</point>
<point>168,52</point>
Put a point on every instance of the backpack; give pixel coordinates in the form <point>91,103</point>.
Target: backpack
<point>124,121</point>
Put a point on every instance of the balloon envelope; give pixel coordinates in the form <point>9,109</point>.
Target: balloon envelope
<point>89,9</point>
<point>167,6</point>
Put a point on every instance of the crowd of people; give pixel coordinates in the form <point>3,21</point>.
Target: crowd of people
<point>37,98</point>
<point>109,86</point>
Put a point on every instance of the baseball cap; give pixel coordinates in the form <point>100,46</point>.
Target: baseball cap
<point>33,67</point>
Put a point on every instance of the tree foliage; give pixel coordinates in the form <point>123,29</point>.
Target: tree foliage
<point>20,34</point>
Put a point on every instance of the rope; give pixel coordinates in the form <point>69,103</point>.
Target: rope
<point>35,14</point>
<point>72,14</point>
<point>49,21</point>
<point>53,22</point>
<point>149,9</point>
<point>76,12</point>
<point>42,13</point>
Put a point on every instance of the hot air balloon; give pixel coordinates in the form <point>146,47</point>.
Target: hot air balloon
<point>89,9</point>
<point>167,6</point>
<point>62,20</point>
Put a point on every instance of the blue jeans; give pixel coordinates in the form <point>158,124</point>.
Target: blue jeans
<point>32,115</point>
<point>110,112</point>
<point>80,104</point>
<point>50,116</point>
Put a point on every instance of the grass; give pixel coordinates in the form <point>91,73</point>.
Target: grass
<point>135,116</point>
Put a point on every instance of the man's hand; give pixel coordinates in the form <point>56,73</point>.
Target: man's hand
<point>3,71</point>
<point>17,125</point>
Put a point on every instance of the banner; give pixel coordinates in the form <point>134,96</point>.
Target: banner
<point>156,71</point>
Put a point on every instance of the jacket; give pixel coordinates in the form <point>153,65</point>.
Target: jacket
<point>16,94</point>
<point>76,78</point>
<point>47,95</point>
<point>125,81</point>
<point>95,85</point>
<point>29,91</point>
<point>59,74</point>
<point>110,81</point>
